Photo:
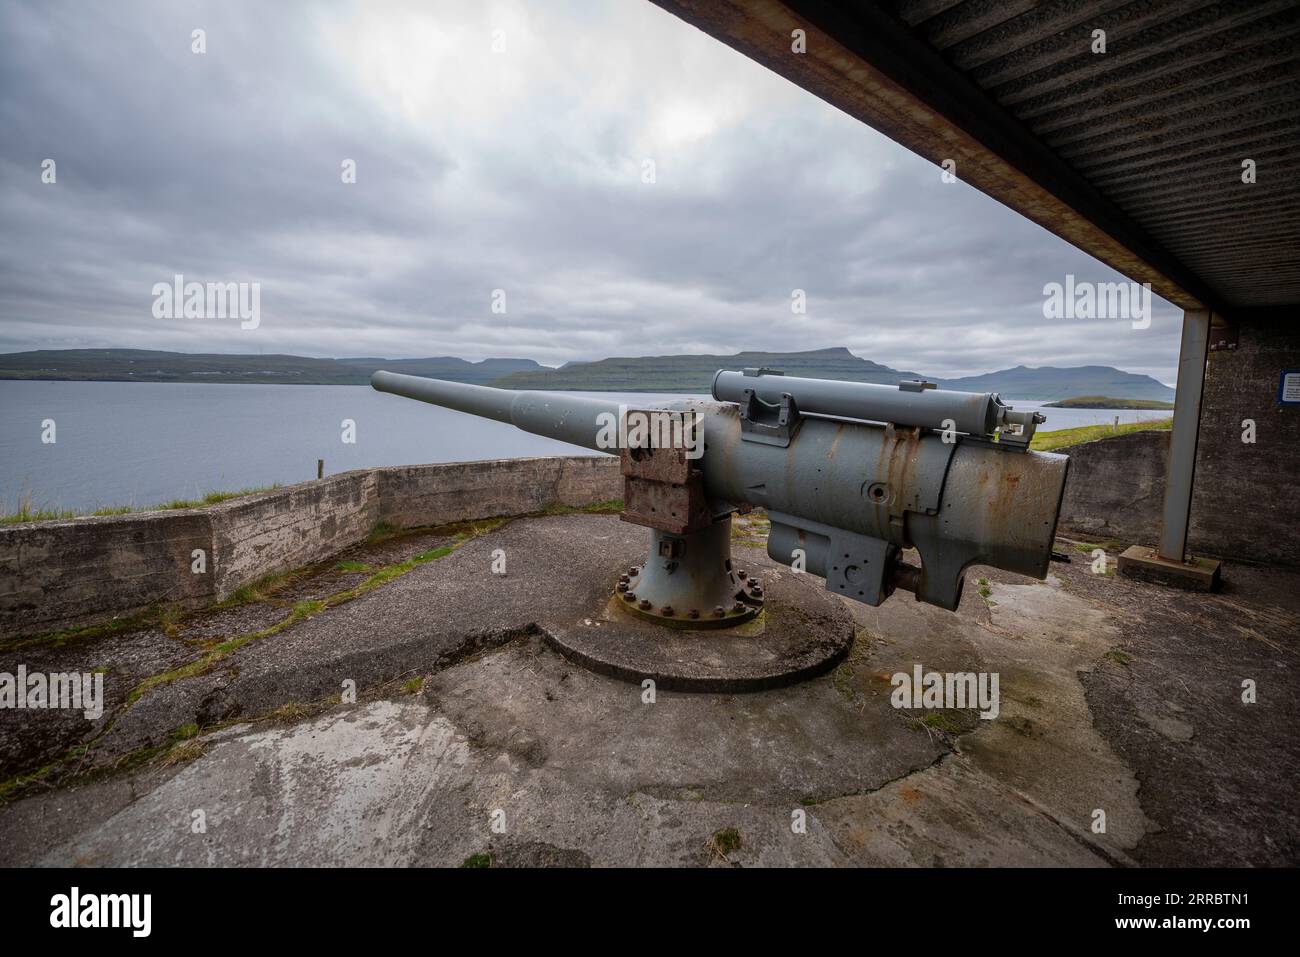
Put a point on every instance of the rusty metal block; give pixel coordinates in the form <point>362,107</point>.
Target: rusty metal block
<point>656,465</point>
<point>659,464</point>
<point>676,507</point>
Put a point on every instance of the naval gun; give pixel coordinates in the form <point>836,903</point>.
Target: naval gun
<point>850,474</point>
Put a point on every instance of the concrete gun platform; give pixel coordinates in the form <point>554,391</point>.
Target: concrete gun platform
<point>229,737</point>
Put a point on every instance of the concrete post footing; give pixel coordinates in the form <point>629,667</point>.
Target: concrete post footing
<point>1141,563</point>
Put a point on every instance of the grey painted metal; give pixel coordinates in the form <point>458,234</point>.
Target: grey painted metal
<point>956,502</point>
<point>1192,355</point>
<point>867,490</point>
<point>568,418</point>
<point>975,413</point>
<point>855,565</point>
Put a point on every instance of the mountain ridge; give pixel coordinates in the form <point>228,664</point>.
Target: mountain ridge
<point>148,365</point>
<point>667,373</point>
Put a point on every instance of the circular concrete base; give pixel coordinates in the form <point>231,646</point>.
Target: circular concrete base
<point>803,631</point>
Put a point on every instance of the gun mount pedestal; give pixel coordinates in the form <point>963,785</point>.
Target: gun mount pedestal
<point>689,581</point>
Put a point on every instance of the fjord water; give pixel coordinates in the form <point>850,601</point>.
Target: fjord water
<point>143,443</point>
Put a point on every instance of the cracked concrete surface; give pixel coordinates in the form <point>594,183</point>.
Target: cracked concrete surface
<point>1108,688</point>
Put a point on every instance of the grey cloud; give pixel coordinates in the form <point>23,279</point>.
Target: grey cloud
<point>478,171</point>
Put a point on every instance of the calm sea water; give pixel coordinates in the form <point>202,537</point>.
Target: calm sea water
<point>140,443</point>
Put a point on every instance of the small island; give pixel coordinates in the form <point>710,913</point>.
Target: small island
<point>1106,402</point>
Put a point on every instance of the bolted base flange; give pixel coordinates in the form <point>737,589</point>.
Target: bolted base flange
<point>688,581</point>
<point>803,631</point>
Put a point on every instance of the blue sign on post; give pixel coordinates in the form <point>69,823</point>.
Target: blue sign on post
<point>1288,387</point>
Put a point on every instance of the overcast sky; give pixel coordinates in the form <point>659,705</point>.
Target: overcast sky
<point>477,169</point>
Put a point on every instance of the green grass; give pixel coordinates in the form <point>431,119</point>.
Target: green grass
<point>726,841</point>
<point>157,615</point>
<point>477,860</point>
<point>941,721</point>
<point>1047,441</point>
<point>28,512</point>
<point>382,532</point>
<point>613,505</point>
<point>842,680</point>
<point>260,590</point>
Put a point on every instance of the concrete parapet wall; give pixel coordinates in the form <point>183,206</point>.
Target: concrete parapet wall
<point>66,572</point>
<point>61,574</point>
<point>411,496</point>
<point>1116,486</point>
<point>273,531</point>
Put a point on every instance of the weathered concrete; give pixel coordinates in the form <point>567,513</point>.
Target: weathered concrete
<point>410,497</point>
<point>1246,496</point>
<point>1115,697</point>
<point>57,574</point>
<point>61,574</point>
<point>271,532</point>
<point>1115,487</point>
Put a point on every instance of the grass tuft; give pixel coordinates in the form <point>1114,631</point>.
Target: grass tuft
<point>28,512</point>
<point>725,841</point>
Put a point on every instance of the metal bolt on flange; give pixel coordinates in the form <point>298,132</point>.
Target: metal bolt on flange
<point>621,586</point>
<point>738,606</point>
<point>741,574</point>
<point>629,596</point>
<point>686,576</point>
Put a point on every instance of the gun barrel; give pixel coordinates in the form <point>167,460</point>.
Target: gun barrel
<point>566,418</point>
<point>975,413</point>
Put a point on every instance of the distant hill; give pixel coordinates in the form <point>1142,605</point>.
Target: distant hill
<point>141,365</point>
<point>1107,402</point>
<point>695,373</point>
<point>446,367</point>
<point>1049,383</point>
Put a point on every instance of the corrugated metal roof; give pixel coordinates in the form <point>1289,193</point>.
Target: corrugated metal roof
<point>1145,141</point>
